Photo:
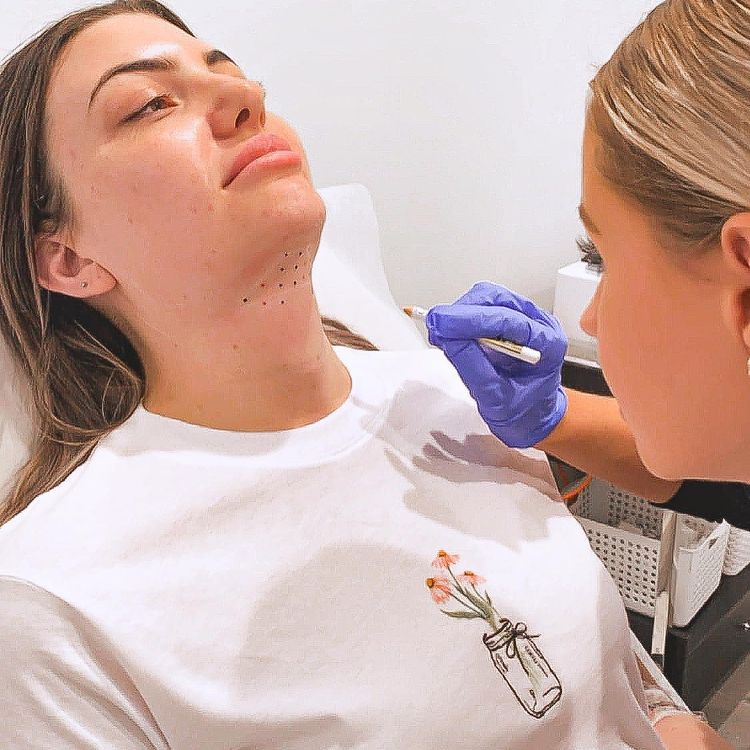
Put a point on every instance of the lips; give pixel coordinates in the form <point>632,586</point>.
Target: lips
<point>257,146</point>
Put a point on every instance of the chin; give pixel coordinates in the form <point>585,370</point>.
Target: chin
<point>662,467</point>
<point>658,458</point>
<point>678,463</point>
<point>293,205</point>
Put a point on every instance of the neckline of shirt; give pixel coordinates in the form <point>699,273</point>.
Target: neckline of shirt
<point>355,420</point>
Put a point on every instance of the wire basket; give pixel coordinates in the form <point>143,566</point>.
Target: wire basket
<point>632,559</point>
<point>738,552</point>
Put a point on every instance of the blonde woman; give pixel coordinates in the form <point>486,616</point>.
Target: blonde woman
<point>666,202</point>
<point>232,534</point>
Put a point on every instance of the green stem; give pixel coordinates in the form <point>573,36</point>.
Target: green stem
<point>469,607</point>
<point>478,602</point>
<point>492,611</point>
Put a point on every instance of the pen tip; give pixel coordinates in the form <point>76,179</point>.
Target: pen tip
<point>416,312</point>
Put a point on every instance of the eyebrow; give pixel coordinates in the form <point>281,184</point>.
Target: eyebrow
<point>149,64</point>
<point>587,220</point>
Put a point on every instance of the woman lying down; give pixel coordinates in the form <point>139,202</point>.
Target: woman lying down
<point>232,534</point>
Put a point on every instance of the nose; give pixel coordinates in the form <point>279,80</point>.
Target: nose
<point>238,107</point>
<point>589,321</point>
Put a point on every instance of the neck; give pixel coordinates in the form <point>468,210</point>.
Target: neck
<point>258,370</point>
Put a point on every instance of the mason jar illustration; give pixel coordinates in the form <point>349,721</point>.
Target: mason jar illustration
<point>523,667</point>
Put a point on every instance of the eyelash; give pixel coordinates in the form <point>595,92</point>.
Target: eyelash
<point>589,253</point>
<point>144,109</point>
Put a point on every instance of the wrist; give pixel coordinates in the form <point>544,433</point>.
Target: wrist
<point>557,428</point>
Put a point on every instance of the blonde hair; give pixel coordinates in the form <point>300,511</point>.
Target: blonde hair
<point>672,110</point>
<point>85,376</point>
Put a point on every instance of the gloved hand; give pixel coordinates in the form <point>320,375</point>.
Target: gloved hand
<point>521,403</point>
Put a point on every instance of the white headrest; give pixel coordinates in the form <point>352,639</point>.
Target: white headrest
<point>348,275</point>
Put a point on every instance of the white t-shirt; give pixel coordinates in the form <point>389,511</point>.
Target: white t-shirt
<point>389,578</point>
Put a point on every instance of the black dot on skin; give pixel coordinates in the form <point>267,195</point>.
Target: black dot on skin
<point>265,303</point>
<point>244,299</point>
<point>296,267</point>
<point>262,286</point>
<point>280,285</point>
<point>281,269</point>
<point>295,283</point>
<point>300,255</point>
<point>282,302</point>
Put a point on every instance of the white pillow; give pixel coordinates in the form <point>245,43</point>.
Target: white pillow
<point>15,422</point>
<point>348,276</point>
<point>349,282</point>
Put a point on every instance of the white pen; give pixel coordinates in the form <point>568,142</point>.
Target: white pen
<point>524,353</point>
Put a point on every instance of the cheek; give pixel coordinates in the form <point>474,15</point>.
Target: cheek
<point>169,177</point>
<point>631,344</point>
<point>153,194</point>
<point>654,344</point>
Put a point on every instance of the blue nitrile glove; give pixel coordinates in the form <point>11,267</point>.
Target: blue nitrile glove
<point>521,403</point>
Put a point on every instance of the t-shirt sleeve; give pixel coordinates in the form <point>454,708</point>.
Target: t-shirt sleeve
<point>61,688</point>
<point>714,501</point>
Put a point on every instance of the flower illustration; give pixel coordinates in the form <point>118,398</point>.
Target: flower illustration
<point>513,650</point>
<point>444,560</point>
<point>472,579</point>
<point>440,588</point>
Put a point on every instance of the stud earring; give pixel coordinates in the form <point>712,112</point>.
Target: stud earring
<point>84,284</point>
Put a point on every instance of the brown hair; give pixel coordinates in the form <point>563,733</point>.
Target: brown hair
<point>671,110</point>
<point>85,376</point>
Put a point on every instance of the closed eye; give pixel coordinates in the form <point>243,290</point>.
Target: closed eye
<point>150,106</point>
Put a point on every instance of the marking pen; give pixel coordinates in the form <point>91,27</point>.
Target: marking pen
<point>524,353</point>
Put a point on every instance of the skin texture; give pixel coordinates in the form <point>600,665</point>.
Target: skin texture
<point>594,437</point>
<point>211,283</point>
<point>674,335</point>
<point>689,733</point>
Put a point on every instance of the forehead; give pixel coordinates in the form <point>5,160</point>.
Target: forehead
<point>106,43</point>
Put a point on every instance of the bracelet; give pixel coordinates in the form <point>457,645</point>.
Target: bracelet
<point>660,705</point>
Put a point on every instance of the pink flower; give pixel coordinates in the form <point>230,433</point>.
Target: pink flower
<point>471,578</point>
<point>444,560</point>
<point>440,588</point>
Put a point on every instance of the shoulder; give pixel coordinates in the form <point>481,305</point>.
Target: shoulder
<point>61,681</point>
<point>43,532</point>
<point>33,620</point>
<point>32,615</point>
<point>40,635</point>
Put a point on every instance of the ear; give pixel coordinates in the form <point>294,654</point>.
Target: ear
<point>60,269</point>
<point>735,247</point>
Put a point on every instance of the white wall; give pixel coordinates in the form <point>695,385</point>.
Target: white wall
<point>463,118</point>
